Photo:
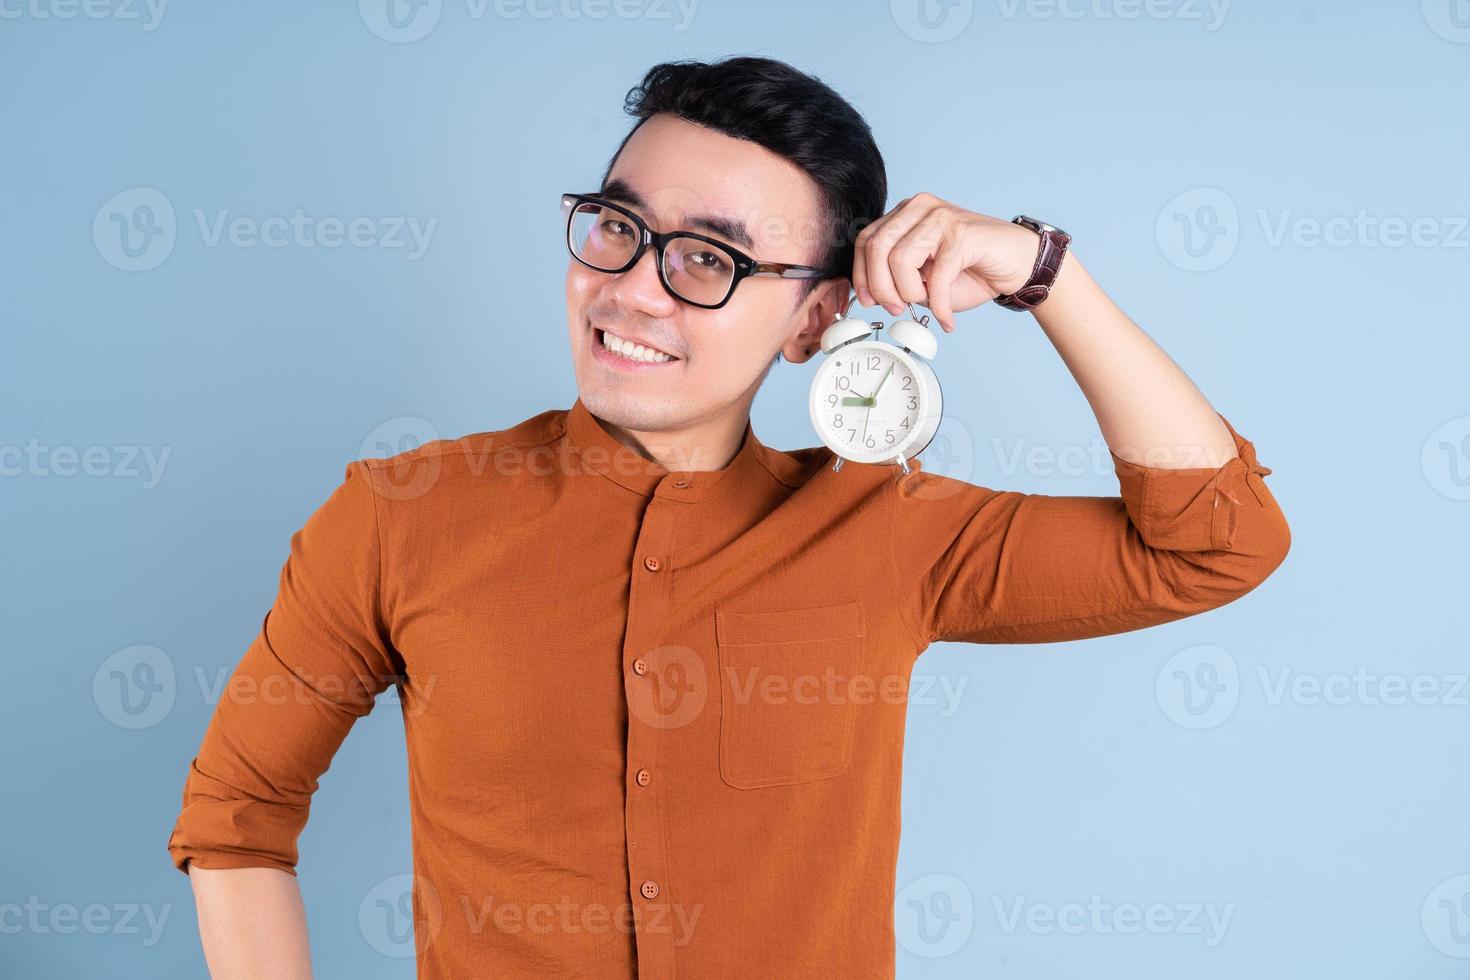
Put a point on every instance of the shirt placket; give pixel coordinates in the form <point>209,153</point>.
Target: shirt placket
<point>652,672</point>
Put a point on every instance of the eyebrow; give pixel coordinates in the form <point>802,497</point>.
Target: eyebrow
<point>621,191</point>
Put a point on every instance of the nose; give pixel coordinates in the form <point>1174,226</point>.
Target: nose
<point>640,289</point>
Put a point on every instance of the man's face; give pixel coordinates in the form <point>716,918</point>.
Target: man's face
<point>682,173</point>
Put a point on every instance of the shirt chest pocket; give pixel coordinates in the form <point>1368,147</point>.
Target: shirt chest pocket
<point>786,716</point>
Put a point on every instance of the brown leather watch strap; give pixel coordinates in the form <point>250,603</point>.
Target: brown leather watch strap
<point>1049,253</point>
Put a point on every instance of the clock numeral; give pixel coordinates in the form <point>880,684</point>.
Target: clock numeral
<point>877,426</point>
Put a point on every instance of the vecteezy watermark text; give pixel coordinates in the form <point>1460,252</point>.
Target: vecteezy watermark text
<point>122,462</point>
<point>137,229</point>
<point>148,13</point>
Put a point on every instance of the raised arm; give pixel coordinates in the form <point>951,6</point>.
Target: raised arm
<point>927,250</point>
<point>1194,526</point>
<point>979,565</point>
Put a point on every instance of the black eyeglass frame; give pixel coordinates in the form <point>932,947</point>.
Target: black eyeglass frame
<point>744,266</point>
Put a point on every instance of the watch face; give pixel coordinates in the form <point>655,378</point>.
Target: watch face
<point>1036,225</point>
<point>869,401</point>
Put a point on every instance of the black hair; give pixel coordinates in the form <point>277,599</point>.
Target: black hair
<point>790,113</point>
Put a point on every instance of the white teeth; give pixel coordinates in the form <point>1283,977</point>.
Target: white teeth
<point>632,351</point>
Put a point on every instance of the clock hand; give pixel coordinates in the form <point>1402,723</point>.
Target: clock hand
<point>873,398</point>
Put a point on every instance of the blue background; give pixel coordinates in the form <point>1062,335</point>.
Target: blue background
<point>1332,834</point>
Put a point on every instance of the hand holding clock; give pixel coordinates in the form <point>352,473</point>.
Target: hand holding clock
<point>930,252</point>
<point>937,254</point>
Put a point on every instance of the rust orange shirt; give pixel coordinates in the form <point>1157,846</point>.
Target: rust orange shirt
<point>655,719</point>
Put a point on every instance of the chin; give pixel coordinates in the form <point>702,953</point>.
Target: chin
<point>635,410</point>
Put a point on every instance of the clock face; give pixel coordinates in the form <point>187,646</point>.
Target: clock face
<point>870,401</point>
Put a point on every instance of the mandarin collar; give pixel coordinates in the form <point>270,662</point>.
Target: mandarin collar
<point>598,451</point>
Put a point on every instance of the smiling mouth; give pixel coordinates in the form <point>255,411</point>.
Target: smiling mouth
<point>614,344</point>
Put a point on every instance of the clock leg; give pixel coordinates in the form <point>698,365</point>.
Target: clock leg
<point>903,463</point>
<point>837,466</point>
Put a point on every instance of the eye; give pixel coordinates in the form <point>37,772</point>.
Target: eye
<point>707,261</point>
<point>617,227</point>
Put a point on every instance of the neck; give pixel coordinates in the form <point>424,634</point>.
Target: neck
<point>709,444</point>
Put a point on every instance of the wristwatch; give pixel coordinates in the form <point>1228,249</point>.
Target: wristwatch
<point>1049,255</point>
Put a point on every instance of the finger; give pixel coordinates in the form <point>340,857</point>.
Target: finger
<point>906,261</point>
<point>860,254</point>
<point>948,265</point>
<point>859,266</point>
<point>860,257</point>
<point>878,245</point>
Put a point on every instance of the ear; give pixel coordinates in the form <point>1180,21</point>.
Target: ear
<point>827,302</point>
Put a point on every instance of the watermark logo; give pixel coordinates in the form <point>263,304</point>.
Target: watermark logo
<point>400,21</point>
<point>135,687</point>
<point>135,229</point>
<point>1199,229</point>
<point>932,21</point>
<point>1446,459</point>
<point>1450,19</point>
<point>1446,917</point>
<point>1198,687</point>
<point>951,453</point>
<point>669,687</point>
<point>403,434</point>
<point>385,917</point>
<point>934,916</point>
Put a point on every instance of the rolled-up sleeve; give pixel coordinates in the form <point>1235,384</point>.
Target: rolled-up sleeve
<point>979,565</point>
<point>320,658</point>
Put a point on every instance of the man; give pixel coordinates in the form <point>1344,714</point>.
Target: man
<point>654,672</point>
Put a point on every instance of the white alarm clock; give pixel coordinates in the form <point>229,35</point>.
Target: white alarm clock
<point>874,401</point>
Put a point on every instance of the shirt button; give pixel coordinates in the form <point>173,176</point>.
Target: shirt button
<point>651,563</point>
<point>681,484</point>
<point>640,666</point>
<point>649,889</point>
<point>644,777</point>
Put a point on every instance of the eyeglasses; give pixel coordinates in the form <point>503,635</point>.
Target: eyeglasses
<point>693,268</point>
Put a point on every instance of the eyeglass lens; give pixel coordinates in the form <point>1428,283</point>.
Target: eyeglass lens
<point>605,239</point>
